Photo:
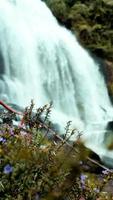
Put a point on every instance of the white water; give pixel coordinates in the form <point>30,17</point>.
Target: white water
<point>43,61</point>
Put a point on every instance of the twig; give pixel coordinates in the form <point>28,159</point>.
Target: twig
<point>9,108</point>
<point>100,165</point>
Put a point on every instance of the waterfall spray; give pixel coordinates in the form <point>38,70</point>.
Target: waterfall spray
<point>43,61</point>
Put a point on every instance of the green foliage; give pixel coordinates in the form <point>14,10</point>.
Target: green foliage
<point>96,16</point>
<point>92,23</point>
<point>60,9</point>
<point>34,167</point>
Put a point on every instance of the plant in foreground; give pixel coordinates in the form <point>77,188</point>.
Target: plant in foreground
<point>33,167</point>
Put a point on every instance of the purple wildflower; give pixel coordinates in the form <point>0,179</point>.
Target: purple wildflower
<point>82,180</point>
<point>8,169</point>
<point>83,177</point>
<point>105,172</point>
<point>11,131</point>
<point>96,190</point>
<point>3,140</point>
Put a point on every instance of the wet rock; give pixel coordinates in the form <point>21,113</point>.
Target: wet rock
<point>107,161</point>
<point>108,137</point>
<point>10,117</point>
<point>110,126</point>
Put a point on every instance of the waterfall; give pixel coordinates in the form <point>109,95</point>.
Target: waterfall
<point>43,61</point>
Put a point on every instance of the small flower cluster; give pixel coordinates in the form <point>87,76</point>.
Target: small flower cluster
<point>7,169</point>
<point>82,180</point>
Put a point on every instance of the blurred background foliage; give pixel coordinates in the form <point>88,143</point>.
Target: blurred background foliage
<point>92,23</point>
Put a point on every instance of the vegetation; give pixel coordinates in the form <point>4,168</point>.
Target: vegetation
<point>35,167</point>
<point>92,23</point>
<point>36,163</point>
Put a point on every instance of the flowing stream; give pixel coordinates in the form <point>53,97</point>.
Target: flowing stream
<point>43,61</point>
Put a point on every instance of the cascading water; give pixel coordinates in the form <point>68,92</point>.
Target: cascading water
<point>43,61</point>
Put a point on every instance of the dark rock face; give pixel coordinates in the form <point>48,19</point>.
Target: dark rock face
<point>108,71</point>
<point>110,126</point>
<point>108,141</point>
<point>107,161</point>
